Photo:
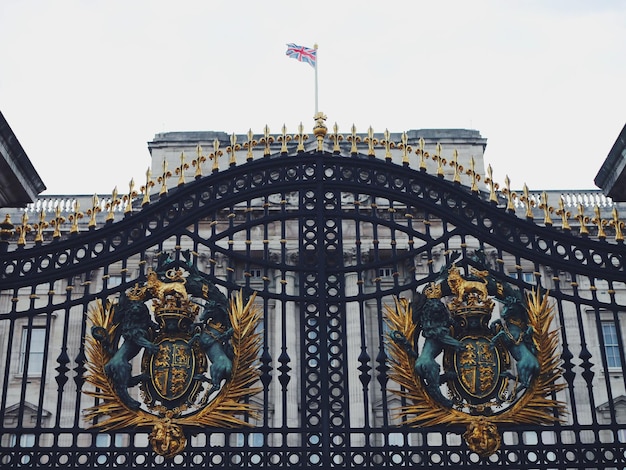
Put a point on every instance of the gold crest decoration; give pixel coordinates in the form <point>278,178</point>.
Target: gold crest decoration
<point>167,420</point>
<point>532,404</point>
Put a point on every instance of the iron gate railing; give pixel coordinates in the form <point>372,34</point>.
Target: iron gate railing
<point>325,242</point>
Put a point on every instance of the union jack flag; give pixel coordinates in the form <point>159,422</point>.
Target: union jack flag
<point>302,54</point>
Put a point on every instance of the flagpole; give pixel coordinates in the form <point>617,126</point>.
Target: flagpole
<point>316,59</point>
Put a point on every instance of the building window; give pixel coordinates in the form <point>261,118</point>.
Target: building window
<point>385,272</point>
<point>104,440</point>
<point>26,440</point>
<point>256,274</point>
<point>114,280</point>
<point>32,350</point>
<point>527,277</point>
<point>255,439</point>
<point>395,439</point>
<point>611,346</point>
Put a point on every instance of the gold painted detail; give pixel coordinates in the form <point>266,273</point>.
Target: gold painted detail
<point>618,225</point>
<point>422,154</point>
<point>458,169</point>
<point>530,204</point>
<point>75,217</point>
<point>6,227</point>
<point>547,209</point>
<point>472,174</point>
<point>510,195</point>
<point>388,144</point>
<point>300,137</point>
<point>320,130</point>
<point>354,139</point>
<point>57,222</point>
<point>232,150</point>
<point>371,142</point>
<point>439,159</point>
<point>40,226</point>
<point>583,220</point>
<point>493,186</point>
<point>482,392</point>
<point>335,138</point>
<point>180,169</point>
<point>165,174</point>
<point>267,140</point>
<point>22,230</point>
<point>179,349</point>
<point>215,155</point>
<point>249,145</point>
<point>198,162</point>
<point>283,139</point>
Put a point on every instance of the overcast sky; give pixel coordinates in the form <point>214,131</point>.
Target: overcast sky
<point>85,84</point>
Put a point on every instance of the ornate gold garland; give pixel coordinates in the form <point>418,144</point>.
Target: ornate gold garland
<point>482,437</point>
<point>167,437</point>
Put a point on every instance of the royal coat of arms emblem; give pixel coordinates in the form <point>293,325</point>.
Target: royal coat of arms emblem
<point>182,332</point>
<point>458,365</point>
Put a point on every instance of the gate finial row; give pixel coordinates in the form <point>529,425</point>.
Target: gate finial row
<point>506,197</point>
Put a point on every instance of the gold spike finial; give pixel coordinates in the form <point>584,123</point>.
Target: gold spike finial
<point>23,229</point>
<point>40,226</point>
<point>145,189</point>
<point>472,173</point>
<point>406,149</point>
<point>163,178</point>
<point>300,138</point>
<point>115,201</point>
<point>617,225</point>
<point>215,155</point>
<point>249,145</point>
<point>510,195</point>
<point>439,159</point>
<point>336,138</point>
<point>128,198</point>
<point>422,154</point>
<point>180,169</point>
<point>600,223</point>
<point>547,209</point>
<point>95,208</point>
<point>283,139</point>
<point>74,217</point>
<point>198,162</point>
<point>232,150</point>
<point>528,201</point>
<point>583,220</point>
<point>564,214</point>
<point>388,144</point>
<point>267,140</point>
<point>371,141</point>
<point>458,169</point>
<point>57,222</point>
<point>493,186</point>
<point>353,139</point>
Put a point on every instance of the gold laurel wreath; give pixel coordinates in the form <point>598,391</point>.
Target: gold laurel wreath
<point>534,407</point>
<point>224,410</point>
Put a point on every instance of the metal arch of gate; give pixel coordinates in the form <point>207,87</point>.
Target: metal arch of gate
<point>326,241</point>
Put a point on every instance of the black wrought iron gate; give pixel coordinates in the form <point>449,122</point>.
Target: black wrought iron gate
<point>326,242</point>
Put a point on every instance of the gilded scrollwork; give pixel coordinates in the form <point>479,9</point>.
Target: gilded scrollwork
<point>197,337</point>
<point>456,366</point>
